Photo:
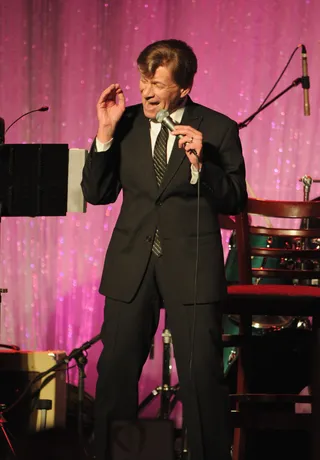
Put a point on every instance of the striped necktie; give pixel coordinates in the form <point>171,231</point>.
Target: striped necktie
<point>160,166</point>
<point>160,154</point>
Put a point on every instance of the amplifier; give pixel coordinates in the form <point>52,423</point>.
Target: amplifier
<point>17,369</point>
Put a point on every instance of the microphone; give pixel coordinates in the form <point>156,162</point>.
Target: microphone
<point>2,128</point>
<point>44,108</point>
<point>164,118</point>
<point>305,81</point>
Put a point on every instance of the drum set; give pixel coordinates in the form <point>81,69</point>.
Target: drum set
<point>280,360</point>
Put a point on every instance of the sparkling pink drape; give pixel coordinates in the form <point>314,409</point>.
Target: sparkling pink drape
<point>63,53</point>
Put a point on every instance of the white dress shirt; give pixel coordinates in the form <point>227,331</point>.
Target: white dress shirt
<point>154,131</point>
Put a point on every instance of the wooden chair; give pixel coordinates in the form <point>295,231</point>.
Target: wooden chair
<point>297,298</point>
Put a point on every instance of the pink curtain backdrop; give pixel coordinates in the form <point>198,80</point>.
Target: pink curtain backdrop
<point>63,53</point>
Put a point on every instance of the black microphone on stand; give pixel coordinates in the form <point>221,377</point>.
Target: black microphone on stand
<point>305,81</point>
<point>44,108</point>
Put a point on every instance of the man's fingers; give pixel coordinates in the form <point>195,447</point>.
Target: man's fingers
<point>120,96</point>
<point>189,134</point>
<point>187,140</point>
<point>110,94</point>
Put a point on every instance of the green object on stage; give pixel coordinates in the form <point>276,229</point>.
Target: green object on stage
<point>256,241</point>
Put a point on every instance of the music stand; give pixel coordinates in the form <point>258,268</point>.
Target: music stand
<point>33,182</point>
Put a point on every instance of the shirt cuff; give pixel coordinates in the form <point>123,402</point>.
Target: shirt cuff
<point>194,175</point>
<point>103,146</point>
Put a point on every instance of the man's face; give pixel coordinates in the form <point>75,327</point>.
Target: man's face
<point>160,92</point>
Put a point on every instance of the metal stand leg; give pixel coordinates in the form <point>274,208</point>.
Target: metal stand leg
<point>44,405</point>
<point>167,390</point>
<point>169,395</point>
<point>81,363</point>
<point>2,428</point>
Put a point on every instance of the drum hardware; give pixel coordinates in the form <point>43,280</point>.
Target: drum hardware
<point>288,263</point>
<point>279,362</point>
<point>264,260</point>
<point>227,367</point>
<point>307,182</point>
<point>313,243</point>
<point>268,323</point>
<point>263,322</point>
<point>233,355</point>
<point>169,394</point>
<point>230,326</point>
<point>5,432</point>
<point>303,323</point>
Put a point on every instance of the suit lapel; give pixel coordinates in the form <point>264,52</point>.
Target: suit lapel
<point>178,155</point>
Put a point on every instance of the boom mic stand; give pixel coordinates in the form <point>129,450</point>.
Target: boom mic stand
<point>81,360</point>
<point>244,124</point>
<point>78,355</point>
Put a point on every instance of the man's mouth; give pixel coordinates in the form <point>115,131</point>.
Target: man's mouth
<point>152,104</point>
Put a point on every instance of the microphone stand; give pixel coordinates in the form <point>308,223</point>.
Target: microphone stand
<point>244,124</point>
<point>78,355</point>
<point>81,361</point>
<point>44,108</point>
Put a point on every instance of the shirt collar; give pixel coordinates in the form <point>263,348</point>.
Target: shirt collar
<point>176,115</point>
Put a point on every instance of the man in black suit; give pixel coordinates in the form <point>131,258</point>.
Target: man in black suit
<point>151,258</point>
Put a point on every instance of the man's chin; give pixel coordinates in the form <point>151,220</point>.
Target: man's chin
<point>151,112</point>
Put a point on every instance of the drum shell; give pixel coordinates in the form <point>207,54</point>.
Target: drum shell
<point>256,241</point>
<point>232,275</point>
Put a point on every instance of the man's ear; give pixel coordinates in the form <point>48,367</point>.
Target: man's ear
<point>184,92</point>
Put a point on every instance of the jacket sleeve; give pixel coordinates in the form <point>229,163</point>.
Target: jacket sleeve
<point>100,177</point>
<point>223,173</point>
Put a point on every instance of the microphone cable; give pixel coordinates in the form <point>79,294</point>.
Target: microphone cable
<point>163,117</point>
<point>195,282</point>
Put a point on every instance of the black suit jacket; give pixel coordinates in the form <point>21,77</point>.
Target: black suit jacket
<point>172,207</point>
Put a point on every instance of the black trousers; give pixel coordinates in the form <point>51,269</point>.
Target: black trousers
<point>127,334</point>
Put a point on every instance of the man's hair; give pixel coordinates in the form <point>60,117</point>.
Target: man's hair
<point>175,54</point>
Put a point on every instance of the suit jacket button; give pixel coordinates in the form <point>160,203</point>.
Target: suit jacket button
<point>149,239</point>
